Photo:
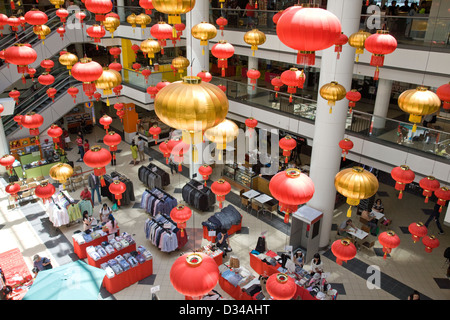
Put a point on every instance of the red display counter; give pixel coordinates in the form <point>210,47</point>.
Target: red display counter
<point>80,249</point>
<point>261,267</point>
<point>235,292</point>
<point>92,262</point>
<point>234,228</point>
<point>129,277</point>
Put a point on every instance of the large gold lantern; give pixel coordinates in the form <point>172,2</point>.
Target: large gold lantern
<point>61,172</point>
<point>143,20</point>
<point>355,184</point>
<point>149,47</point>
<point>204,31</point>
<point>418,102</point>
<point>41,31</point>
<point>174,8</point>
<point>180,64</point>
<point>224,132</point>
<point>111,24</point>
<point>68,59</point>
<point>332,92</point>
<point>357,41</point>
<point>107,81</point>
<point>131,19</point>
<point>254,38</point>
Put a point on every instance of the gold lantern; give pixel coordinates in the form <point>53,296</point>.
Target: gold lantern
<point>57,3</point>
<point>61,172</point>
<point>254,38</point>
<point>111,24</point>
<point>174,8</point>
<point>107,81</point>
<point>204,31</point>
<point>131,19</point>
<point>180,63</point>
<point>357,41</point>
<point>41,31</point>
<point>143,20</point>
<point>224,132</point>
<point>418,102</point>
<point>355,184</point>
<point>149,47</point>
<point>68,59</point>
<point>332,92</point>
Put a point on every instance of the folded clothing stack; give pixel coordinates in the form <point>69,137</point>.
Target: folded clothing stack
<point>145,253</point>
<point>123,263</point>
<point>116,244</point>
<point>128,237</point>
<point>78,238</point>
<point>131,260</point>
<point>109,271</point>
<point>92,252</point>
<point>114,264</point>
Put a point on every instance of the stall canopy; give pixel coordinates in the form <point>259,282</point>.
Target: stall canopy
<point>73,281</point>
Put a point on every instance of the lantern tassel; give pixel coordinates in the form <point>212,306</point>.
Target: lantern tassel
<point>107,101</point>
<point>400,195</point>
<point>102,181</point>
<point>349,212</point>
<point>385,255</point>
<point>426,199</point>
<point>440,209</point>
<point>180,168</point>
<point>286,217</point>
<point>220,205</point>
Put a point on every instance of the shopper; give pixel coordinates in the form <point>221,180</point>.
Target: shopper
<point>112,227</point>
<point>87,221</point>
<point>80,148</point>
<point>42,263</point>
<point>86,195</point>
<point>94,184</point>
<point>141,149</point>
<point>134,152</point>
<point>86,145</point>
<point>371,221</point>
<point>223,242</point>
<point>414,296</point>
<point>172,165</point>
<point>249,12</point>
<point>435,215</point>
<point>378,206</point>
<point>299,259</point>
<point>105,212</point>
<point>344,228</point>
<point>316,265</point>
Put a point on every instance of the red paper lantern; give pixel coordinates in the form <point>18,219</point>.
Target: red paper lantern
<point>222,51</point>
<point>162,84</point>
<point>136,66</point>
<point>7,161</point>
<point>146,73</point>
<point>14,94</point>
<point>2,56</point>
<point>105,121</point>
<point>51,92</point>
<point>180,214</point>
<point>161,32</point>
<point>3,22</point>
<point>87,71</point>
<point>14,23</point>
<point>205,76</point>
<point>117,188</point>
<point>44,191</point>
<point>99,7</point>
<point>308,30</point>
<point>343,250</point>
<point>340,41</point>
<point>155,131</point>
<point>20,55</point>
<point>201,270</point>
<point>251,123</point>
<point>46,79</point>
<point>62,14</point>
<point>115,52</point>
<point>35,17</point>
<point>222,87</point>
<point>389,240</point>
<point>61,31</point>
<point>280,286</point>
<point>80,15</point>
<point>346,145</point>
<point>147,5</point>
<point>293,78</point>
<point>96,32</point>
<point>73,91</point>
<point>379,44</point>
<point>47,64</point>
<point>55,132</point>
<point>220,188</point>
<point>118,106</point>
<point>353,96</point>
<point>32,121</point>
<point>277,84</point>
<point>205,171</point>
<point>443,92</point>
<point>221,22</point>
<point>287,144</point>
<point>117,90</point>
<point>180,28</point>
<point>165,150</point>
<point>177,148</point>
<point>277,16</point>
<point>18,119</point>
<point>443,195</point>
<point>98,158</point>
<point>97,96</point>
<point>402,175</point>
<point>112,140</point>
<point>253,75</point>
<point>12,189</point>
<point>115,66</point>
<point>417,230</point>
<point>120,114</point>
<point>136,49</point>
<point>430,242</point>
<point>429,185</point>
<point>2,108</point>
<point>152,91</point>
<point>291,188</point>
<point>32,72</point>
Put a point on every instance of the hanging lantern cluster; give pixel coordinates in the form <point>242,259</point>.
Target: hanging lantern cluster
<point>220,188</point>
<point>346,145</point>
<point>287,144</point>
<point>205,171</point>
<point>429,185</point>
<point>98,158</point>
<point>332,92</point>
<point>380,44</point>
<point>402,176</point>
<point>180,215</point>
<point>343,250</point>
<point>120,112</point>
<point>291,188</point>
<point>117,188</point>
<point>254,38</point>
<point>204,31</point>
<point>222,51</point>
<point>355,184</point>
<point>293,78</point>
<point>389,240</point>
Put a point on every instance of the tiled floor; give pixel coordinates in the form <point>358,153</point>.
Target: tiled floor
<point>408,267</point>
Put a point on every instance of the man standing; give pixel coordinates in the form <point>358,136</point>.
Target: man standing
<point>80,148</point>
<point>94,184</point>
<point>435,215</point>
<point>141,148</point>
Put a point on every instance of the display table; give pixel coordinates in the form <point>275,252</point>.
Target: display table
<point>234,228</point>
<point>129,277</point>
<point>217,254</point>
<point>14,268</point>
<point>261,267</point>
<point>128,249</point>
<point>235,292</point>
<point>80,249</point>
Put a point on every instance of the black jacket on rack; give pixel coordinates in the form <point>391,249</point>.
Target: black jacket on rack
<point>200,198</point>
<point>223,219</point>
<point>153,176</point>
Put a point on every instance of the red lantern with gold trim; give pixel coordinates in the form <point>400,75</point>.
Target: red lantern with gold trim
<point>352,96</point>
<point>55,132</point>
<point>277,84</point>
<point>73,91</point>
<point>105,121</point>
<point>389,240</point>
<point>280,286</point>
<point>220,188</point>
<point>96,32</point>
<point>292,78</point>
<point>33,121</point>
<point>87,71</point>
<point>222,51</point>
<point>152,91</point>
<point>343,250</point>
<point>221,22</point>
<point>180,215</point>
<point>340,41</point>
<point>62,14</point>
<point>253,75</point>
<point>147,5</point>
<point>146,73</point>
<point>99,7</point>
<point>418,230</point>
<point>14,94</point>
<point>379,44</point>
<point>161,31</point>
<point>7,161</point>
<point>112,140</point>
<point>117,188</point>
<point>47,64</point>
<point>443,195</point>
<point>115,52</point>
<point>21,55</point>
<point>205,171</point>
<point>430,243</point>
<point>46,79</point>
<point>155,131</point>
<point>45,191</point>
<point>402,176</point>
<point>165,150</point>
<point>98,158</point>
<point>346,145</point>
<point>205,76</point>
<point>287,144</point>
<point>115,66</point>
<point>443,92</point>
<point>429,185</point>
<point>13,188</point>
<point>251,124</point>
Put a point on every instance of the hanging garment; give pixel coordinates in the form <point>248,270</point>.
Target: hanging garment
<point>74,212</point>
<point>85,205</point>
<point>198,196</point>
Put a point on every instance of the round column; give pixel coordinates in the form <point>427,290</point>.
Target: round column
<point>121,9</point>
<point>198,61</point>
<point>382,103</point>
<point>329,128</point>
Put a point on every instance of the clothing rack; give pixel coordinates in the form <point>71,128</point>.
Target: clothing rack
<point>201,199</point>
<point>166,239</point>
<point>153,203</point>
<point>152,176</point>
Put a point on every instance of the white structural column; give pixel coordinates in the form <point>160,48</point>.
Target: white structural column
<point>121,9</point>
<point>252,64</point>
<point>382,103</point>
<point>198,62</point>
<point>329,128</point>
